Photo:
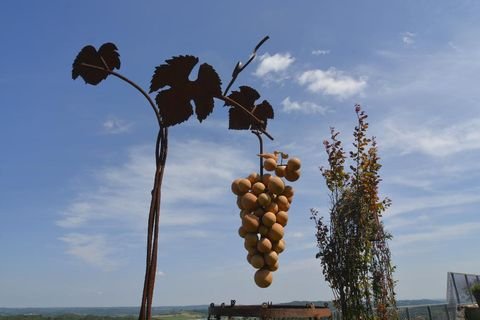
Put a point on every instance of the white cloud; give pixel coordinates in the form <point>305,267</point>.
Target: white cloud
<point>427,203</point>
<point>436,140</point>
<point>320,52</point>
<point>408,38</point>
<point>434,233</point>
<point>92,249</point>
<point>76,214</point>
<point>399,222</point>
<point>117,193</point>
<point>208,167</point>
<point>332,82</point>
<point>303,107</point>
<point>277,63</point>
<point>411,181</point>
<point>115,126</point>
<point>197,173</point>
<point>454,46</point>
<point>297,234</point>
<point>197,180</point>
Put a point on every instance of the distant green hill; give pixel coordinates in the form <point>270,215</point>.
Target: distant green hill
<point>168,310</point>
<point>107,311</point>
<point>403,303</point>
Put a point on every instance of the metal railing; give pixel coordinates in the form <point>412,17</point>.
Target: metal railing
<point>427,312</point>
<point>419,312</point>
<point>458,287</point>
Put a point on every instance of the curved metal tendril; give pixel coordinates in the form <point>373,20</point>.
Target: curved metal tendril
<point>239,67</point>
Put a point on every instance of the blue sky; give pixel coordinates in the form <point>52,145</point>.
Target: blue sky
<point>76,164</point>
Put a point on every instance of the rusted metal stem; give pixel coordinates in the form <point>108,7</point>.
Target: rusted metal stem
<point>153,220</point>
<point>155,109</point>
<point>133,84</point>
<point>150,273</point>
<point>260,141</point>
<point>239,67</point>
<point>161,148</point>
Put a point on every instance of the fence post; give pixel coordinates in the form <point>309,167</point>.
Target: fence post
<point>429,312</point>
<point>455,287</point>
<point>468,288</point>
<point>446,310</point>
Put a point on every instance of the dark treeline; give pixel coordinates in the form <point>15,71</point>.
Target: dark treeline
<point>65,317</point>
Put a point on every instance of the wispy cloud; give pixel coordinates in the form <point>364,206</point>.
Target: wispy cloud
<point>426,203</point>
<point>198,175</point>
<point>115,126</point>
<point>332,82</point>
<point>277,63</point>
<point>441,80</point>
<point>115,193</point>
<point>92,249</point>
<point>320,52</point>
<point>121,192</point>
<point>437,140</point>
<point>454,46</point>
<point>400,222</point>
<point>408,38</point>
<point>434,233</point>
<point>411,181</point>
<point>306,107</point>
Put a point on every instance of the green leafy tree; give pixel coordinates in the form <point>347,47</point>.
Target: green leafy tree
<point>353,247</point>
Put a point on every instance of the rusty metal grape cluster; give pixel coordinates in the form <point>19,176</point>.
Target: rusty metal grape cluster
<point>177,99</point>
<point>264,201</point>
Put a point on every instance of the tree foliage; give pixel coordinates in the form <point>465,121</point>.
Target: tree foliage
<point>353,247</point>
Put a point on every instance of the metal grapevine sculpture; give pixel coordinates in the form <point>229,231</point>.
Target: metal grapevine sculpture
<point>172,106</point>
<point>264,199</point>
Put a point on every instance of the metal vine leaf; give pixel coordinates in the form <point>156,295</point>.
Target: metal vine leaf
<point>174,103</point>
<point>239,120</point>
<point>173,106</point>
<point>106,57</point>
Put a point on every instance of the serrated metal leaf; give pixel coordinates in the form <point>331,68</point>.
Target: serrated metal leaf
<point>204,104</point>
<point>173,107</point>
<point>208,80</point>
<point>107,57</point>
<point>246,96</point>
<point>239,119</point>
<point>174,73</point>
<point>263,111</point>
<point>108,51</point>
<point>207,86</point>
